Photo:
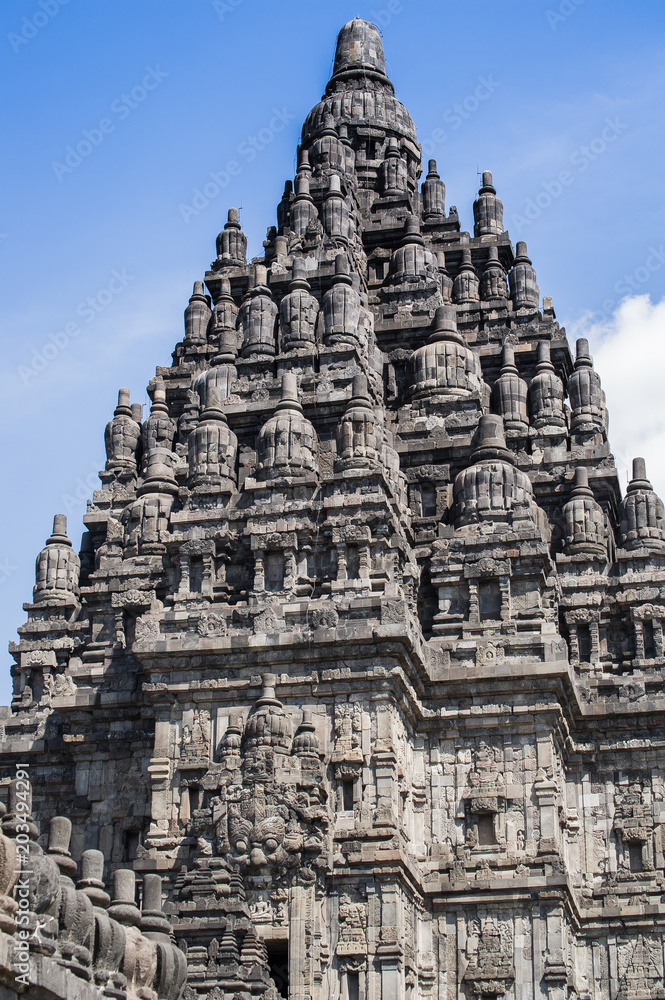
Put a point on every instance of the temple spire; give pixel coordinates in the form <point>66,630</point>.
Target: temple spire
<point>231,243</point>
<point>434,195</point>
<point>487,209</point>
<point>359,52</point>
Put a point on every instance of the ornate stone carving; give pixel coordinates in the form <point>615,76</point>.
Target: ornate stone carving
<point>452,782</point>
<point>490,973</point>
<point>287,442</point>
<point>58,567</point>
<point>352,941</point>
<point>212,625</point>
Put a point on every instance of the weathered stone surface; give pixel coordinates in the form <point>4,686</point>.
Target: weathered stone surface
<point>363,652</point>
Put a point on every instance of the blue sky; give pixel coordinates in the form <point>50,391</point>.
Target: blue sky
<point>562,99</point>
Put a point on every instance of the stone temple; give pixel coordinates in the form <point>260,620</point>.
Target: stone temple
<point>362,652</point>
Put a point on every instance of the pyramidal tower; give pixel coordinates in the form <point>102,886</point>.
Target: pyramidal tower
<point>362,651</point>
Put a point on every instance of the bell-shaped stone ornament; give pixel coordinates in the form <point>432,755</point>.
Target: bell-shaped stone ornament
<point>641,514</point>
<point>466,284</point>
<point>349,152</point>
<point>412,261</point>
<point>546,393</point>
<point>146,524</point>
<point>342,307</point>
<point>445,364</point>
<point>445,281</point>
<point>298,311</point>
<point>123,906</point>
<point>328,151</point>
<point>433,193</point>
<point>303,210</point>
<point>304,165</point>
<point>258,318</point>
<point>171,964</point>
<point>57,568</point>
<point>337,222</point>
<point>394,173</point>
<point>268,725</point>
<point>358,436</point>
<point>287,442</point>
<point>222,331</point>
<point>509,396</point>
<point>220,377</point>
<point>491,489</point>
<point>493,283</point>
<point>359,50</point>
<point>189,417</point>
<point>305,742</point>
<point>232,243</point>
<point>197,317</point>
<point>487,209</point>
<point>284,207</point>
<point>524,290</point>
<point>158,434</point>
<point>122,435</point>
<point>583,520</point>
<point>212,447</point>
<point>587,399</point>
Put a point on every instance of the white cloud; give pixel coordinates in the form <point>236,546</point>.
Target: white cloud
<point>629,356</point>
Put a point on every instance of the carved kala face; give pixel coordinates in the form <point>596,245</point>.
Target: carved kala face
<point>267,841</point>
<point>271,842</point>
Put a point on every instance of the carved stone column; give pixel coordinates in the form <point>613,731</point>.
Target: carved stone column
<point>159,770</point>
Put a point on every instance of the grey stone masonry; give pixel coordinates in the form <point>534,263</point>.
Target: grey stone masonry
<point>362,653</point>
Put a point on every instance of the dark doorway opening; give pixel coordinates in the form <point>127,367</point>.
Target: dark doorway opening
<point>195,575</point>
<point>486,834</point>
<point>584,643</point>
<point>353,985</point>
<point>347,796</point>
<point>278,961</point>
<point>132,844</point>
<point>635,859</point>
<point>489,600</point>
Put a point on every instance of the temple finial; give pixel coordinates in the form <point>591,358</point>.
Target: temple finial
<point>359,49</point>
